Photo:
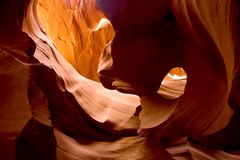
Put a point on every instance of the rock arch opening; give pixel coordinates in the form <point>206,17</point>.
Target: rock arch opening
<point>173,84</point>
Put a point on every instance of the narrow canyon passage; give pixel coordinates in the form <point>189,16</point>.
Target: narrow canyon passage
<point>100,79</point>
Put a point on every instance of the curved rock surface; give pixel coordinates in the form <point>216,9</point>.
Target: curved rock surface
<point>198,36</point>
<point>122,79</point>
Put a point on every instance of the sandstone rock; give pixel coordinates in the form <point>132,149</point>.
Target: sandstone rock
<point>174,63</point>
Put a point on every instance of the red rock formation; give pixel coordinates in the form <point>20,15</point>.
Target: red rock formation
<point>194,35</point>
<point>14,44</point>
<point>133,46</point>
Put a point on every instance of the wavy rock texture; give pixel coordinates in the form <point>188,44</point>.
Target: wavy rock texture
<point>169,34</point>
<point>174,63</point>
<point>14,75</point>
<point>197,36</point>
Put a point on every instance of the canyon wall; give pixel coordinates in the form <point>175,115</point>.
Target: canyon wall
<point>119,79</point>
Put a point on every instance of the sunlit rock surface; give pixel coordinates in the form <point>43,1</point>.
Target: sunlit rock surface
<point>174,63</point>
<point>76,34</point>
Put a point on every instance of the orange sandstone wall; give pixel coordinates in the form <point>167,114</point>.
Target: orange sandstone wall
<point>73,27</point>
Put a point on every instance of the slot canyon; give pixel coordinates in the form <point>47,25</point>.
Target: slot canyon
<point>119,79</point>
